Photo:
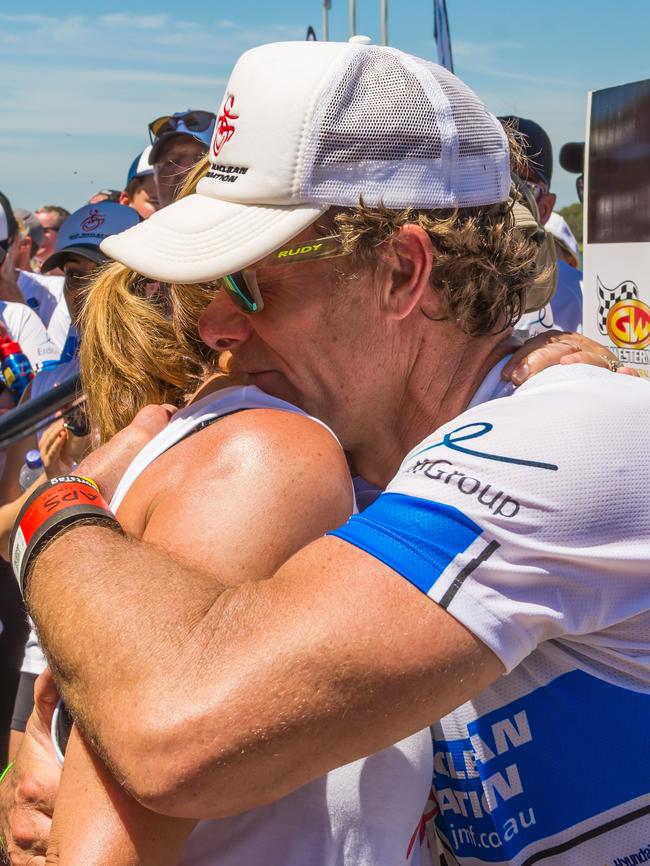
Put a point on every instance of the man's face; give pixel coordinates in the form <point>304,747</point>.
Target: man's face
<point>175,158</point>
<point>49,221</point>
<point>22,259</point>
<point>320,341</point>
<point>77,271</point>
<point>545,199</point>
<point>145,199</point>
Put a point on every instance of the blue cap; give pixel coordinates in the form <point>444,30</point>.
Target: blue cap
<point>86,228</point>
<point>140,167</point>
<point>204,136</point>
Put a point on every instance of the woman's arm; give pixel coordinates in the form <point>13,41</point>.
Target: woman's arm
<point>10,511</point>
<point>97,822</point>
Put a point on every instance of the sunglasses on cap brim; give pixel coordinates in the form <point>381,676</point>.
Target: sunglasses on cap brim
<point>243,287</point>
<point>194,121</point>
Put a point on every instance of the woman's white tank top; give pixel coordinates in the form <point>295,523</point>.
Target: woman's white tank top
<point>363,814</point>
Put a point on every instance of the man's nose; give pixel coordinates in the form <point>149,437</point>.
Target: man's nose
<point>223,326</point>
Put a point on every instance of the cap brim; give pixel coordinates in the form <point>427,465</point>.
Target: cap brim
<point>87,251</point>
<point>202,238</point>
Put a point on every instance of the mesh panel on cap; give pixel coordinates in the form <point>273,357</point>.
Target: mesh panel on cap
<point>402,131</point>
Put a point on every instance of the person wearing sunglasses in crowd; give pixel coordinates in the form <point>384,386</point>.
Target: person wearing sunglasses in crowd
<point>476,593</point>
<point>41,292</point>
<point>178,141</point>
<point>564,310</point>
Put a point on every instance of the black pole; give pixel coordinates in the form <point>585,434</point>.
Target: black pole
<point>26,419</point>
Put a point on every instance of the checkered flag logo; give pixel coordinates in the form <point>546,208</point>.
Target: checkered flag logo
<point>625,291</point>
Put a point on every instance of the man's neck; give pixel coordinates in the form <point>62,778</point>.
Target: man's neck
<point>432,396</point>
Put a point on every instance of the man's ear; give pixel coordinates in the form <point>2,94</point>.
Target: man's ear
<point>404,270</point>
<point>124,198</point>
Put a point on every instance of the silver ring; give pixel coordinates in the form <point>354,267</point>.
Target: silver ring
<point>613,364</point>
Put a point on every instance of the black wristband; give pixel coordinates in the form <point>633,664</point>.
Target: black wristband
<point>55,506</point>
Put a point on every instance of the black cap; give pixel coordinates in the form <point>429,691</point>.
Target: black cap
<point>86,251</point>
<point>8,224</point>
<point>572,157</point>
<point>537,145</point>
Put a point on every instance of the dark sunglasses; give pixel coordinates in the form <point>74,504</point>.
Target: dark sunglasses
<point>537,190</point>
<point>195,121</point>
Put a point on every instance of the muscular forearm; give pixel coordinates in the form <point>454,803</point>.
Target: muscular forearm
<point>98,824</point>
<point>132,606</point>
<point>213,707</point>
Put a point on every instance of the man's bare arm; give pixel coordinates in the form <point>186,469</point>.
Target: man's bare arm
<point>334,658</point>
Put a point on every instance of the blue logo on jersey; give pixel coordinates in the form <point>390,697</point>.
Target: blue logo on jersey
<point>539,766</point>
<point>32,302</point>
<point>480,428</point>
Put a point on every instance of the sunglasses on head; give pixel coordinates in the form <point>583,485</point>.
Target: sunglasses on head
<point>243,287</point>
<point>195,121</point>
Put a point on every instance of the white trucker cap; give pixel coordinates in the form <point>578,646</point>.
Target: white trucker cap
<point>307,125</point>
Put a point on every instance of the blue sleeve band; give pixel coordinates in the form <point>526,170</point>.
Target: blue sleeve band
<point>415,537</point>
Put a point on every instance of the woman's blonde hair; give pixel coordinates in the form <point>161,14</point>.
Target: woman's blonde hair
<point>138,349</point>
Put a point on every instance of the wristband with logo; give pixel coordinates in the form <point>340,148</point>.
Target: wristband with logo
<point>55,506</point>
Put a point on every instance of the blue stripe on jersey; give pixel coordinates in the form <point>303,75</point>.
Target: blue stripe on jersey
<point>415,537</point>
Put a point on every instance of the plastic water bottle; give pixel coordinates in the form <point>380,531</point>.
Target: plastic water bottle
<point>16,369</point>
<point>31,469</point>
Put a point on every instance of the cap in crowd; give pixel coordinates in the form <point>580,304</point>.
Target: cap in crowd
<point>86,228</point>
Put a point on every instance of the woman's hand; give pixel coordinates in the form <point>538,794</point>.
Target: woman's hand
<point>61,450</point>
<point>107,464</point>
<point>556,347</point>
<point>28,792</point>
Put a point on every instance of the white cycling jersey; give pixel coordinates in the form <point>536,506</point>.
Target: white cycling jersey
<point>528,520</point>
<point>362,814</point>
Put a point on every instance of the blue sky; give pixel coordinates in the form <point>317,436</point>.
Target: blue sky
<point>80,84</point>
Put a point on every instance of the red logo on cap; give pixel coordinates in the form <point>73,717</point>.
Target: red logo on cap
<point>225,128</point>
<point>93,221</point>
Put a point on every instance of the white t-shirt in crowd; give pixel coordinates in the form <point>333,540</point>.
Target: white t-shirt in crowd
<point>528,520</point>
<point>363,814</point>
<point>42,293</point>
<point>59,325</point>
<point>26,328</point>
